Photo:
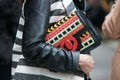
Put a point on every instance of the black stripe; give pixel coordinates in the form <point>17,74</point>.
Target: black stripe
<point>12,77</point>
<point>22,15</point>
<point>53,1</point>
<point>23,76</point>
<point>18,41</point>
<point>20,27</point>
<point>14,64</point>
<point>26,63</point>
<point>16,52</point>
<point>58,12</point>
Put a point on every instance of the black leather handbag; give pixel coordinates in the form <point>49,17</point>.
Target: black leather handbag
<point>75,31</point>
<point>88,26</point>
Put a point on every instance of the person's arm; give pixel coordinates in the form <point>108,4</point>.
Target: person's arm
<point>111,25</point>
<point>34,47</point>
<point>37,51</point>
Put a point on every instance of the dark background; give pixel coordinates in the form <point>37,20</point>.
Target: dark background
<point>9,18</point>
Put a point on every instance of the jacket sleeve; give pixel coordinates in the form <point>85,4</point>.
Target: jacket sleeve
<point>34,47</point>
<point>111,25</point>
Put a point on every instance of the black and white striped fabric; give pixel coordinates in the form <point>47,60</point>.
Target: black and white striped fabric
<point>22,70</point>
<point>17,47</point>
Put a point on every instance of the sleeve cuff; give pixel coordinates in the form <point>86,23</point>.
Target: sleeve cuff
<point>76,56</point>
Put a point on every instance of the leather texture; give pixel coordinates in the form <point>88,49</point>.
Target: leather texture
<point>37,13</point>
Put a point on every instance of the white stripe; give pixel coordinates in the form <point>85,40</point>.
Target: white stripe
<point>13,71</point>
<point>21,21</point>
<point>43,71</point>
<point>56,5</point>
<point>66,3</point>
<point>15,57</point>
<point>19,34</point>
<point>17,47</point>
<point>55,18</point>
<point>21,57</point>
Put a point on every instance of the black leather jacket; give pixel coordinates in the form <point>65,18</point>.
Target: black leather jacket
<point>34,47</point>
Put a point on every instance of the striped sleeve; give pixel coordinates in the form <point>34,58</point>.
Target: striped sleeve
<point>17,47</point>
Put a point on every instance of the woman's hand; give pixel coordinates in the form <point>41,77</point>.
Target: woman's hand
<point>86,63</point>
